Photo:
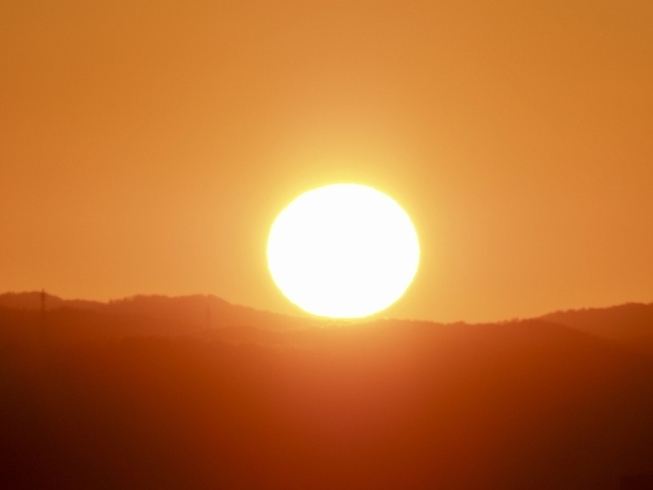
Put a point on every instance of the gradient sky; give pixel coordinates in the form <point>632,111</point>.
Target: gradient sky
<point>146,147</point>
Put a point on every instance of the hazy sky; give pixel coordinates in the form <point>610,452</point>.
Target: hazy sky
<point>146,147</point>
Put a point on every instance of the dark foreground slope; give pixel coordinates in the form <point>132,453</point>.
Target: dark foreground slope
<point>91,399</point>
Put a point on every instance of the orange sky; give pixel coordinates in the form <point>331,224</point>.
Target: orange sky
<point>145,147</point>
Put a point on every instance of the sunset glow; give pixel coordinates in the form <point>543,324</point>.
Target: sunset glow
<point>352,245</point>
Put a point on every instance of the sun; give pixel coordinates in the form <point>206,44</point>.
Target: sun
<point>343,251</point>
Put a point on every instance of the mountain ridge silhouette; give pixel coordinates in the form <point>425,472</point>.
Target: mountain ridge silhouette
<point>111,396</point>
<point>630,324</point>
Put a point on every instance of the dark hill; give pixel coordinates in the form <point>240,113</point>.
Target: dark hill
<point>122,398</point>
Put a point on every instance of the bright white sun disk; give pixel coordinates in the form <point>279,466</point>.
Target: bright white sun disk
<point>343,251</point>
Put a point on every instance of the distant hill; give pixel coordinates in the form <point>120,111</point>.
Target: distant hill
<point>203,311</point>
<point>139,393</point>
<point>629,324</point>
<point>32,301</point>
<point>178,315</point>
